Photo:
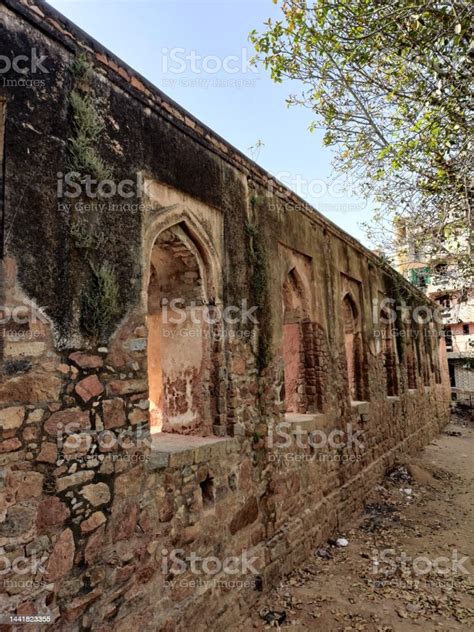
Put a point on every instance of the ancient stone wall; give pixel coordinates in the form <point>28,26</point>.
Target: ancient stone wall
<point>139,434</point>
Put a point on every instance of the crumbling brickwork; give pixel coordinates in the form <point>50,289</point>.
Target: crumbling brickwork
<point>133,429</point>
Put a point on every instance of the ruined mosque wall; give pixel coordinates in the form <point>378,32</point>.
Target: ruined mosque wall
<point>135,425</point>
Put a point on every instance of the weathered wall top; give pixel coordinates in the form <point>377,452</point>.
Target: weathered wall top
<point>55,25</point>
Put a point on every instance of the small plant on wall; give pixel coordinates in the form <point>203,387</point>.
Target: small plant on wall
<point>100,296</point>
<point>88,125</point>
<point>100,302</point>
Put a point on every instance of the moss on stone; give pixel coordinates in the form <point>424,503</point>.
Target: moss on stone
<point>257,259</point>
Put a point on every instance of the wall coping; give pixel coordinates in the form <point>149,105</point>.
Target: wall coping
<point>169,449</point>
<point>309,421</point>
<point>362,407</point>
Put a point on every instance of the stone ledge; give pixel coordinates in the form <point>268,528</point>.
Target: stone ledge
<point>309,421</point>
<point>175,450</point>
<point>363,408</point>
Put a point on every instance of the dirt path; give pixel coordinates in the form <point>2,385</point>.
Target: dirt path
<point>404,568</point>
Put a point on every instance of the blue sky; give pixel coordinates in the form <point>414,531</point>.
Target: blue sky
<point>196,51</point>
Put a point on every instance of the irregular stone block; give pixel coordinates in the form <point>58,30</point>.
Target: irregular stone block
<point>48,453</point>
<point>61,559</point>
<point>67,420</point>
<point>86,361</point>
<point>89,387</point>
<point>74,479</point>
<point>20,520</point>
<point>12,417</point>
<point>27,484</point>
<point>51,511</point>
<point>113,413</point>
<point>94,521</point>
<point>97,494</point>
<point>31,388</point>
<point>10,445</point>
<point>126,387</point>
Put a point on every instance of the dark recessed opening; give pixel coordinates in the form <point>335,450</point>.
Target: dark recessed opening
<point>207,490</point>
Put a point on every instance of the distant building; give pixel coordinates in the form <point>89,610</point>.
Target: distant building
<point>440,281</point>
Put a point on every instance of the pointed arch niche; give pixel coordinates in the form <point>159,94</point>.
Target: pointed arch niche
<point>389,349</point>
<point>353,347</point>
<point>180,294</point>
<point>303,340</point>
<point>295,317</point>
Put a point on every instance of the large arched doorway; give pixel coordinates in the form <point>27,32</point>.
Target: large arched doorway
<point>295,314</point>
<point>179,335</point>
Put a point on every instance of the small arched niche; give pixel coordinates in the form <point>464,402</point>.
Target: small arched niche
<point>411,360</point>
<point>353,348</point>
<point>389,353</point>
<point>303,346</point>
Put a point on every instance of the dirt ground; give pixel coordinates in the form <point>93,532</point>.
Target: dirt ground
<point>404,567</point>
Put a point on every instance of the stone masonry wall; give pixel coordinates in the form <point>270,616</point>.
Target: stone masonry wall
<point>100,515</point>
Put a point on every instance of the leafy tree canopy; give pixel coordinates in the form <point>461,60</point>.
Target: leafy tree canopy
<point>390,82</point>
